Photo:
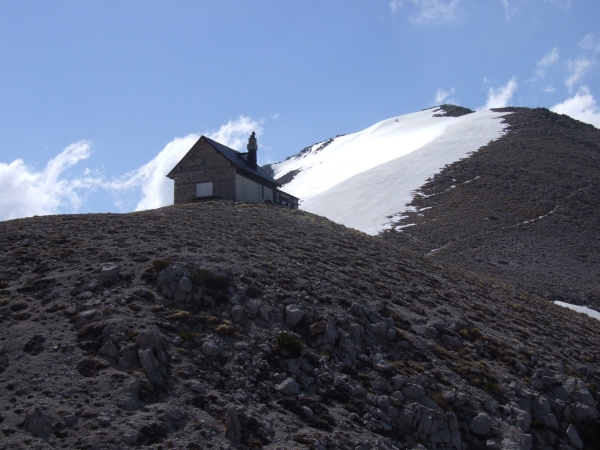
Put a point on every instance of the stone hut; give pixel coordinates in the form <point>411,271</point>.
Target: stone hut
<point>210,170</point>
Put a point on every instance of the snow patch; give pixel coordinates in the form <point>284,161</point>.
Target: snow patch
<point>361,179</point>
<point>580,309</point>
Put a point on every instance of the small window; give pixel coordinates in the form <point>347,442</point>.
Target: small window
<point>204,161</point>
<point>204,189</point>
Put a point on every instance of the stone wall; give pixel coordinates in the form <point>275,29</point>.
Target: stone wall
<point>203,164</point>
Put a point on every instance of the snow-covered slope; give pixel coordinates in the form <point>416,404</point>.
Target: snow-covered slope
<point>361,179</point>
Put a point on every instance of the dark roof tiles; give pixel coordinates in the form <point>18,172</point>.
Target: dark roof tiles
<point>238,160</point>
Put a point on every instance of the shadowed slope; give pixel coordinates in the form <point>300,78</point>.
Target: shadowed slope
<point>525,209</point>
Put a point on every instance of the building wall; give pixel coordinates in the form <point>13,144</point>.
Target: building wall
<point>250,191</point>
<point>200,165</point>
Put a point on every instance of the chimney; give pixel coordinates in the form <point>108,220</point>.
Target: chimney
<point>252,147</point>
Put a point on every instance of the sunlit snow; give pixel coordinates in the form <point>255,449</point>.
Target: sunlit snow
<point>580,309</point>
<point>361,179</point>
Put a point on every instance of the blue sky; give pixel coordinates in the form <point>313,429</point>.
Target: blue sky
<point>97,99</point>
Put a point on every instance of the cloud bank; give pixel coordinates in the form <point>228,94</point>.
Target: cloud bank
<point>582,106</point>
<point>27,192</point>
<point>499,98</point>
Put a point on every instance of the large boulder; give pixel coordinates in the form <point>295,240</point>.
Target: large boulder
<point>38,423</point>
<point>293,315</point>
<point>288,387</point>
<point>481,424</point>
<point>212,348</point>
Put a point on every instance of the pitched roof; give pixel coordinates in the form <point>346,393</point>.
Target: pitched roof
<point>237,159</point>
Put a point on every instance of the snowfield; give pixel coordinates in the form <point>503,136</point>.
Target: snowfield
<point>361,179</point>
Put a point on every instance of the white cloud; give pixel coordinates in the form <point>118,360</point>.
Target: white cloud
<point>26,192</point>
<point>434,11</point>
<point>443,96</point>
<point>509,10</point>
<point>151,180</point>
<point>564,4</point>
<point>395,5</point>
<point>549,89</point>
<point>547,61</point>
<point>582,107</point>
<point>499,98</point>
<point>580,67</point>
<point>589,43</point>
<point>577,70</point>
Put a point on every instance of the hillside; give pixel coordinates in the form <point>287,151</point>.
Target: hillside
<point>363,180</point>
<point>525,209</point>
<point>223,324</point>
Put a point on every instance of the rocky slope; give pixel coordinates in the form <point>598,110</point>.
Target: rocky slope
<point>221,325</point>
<point>524,209</point>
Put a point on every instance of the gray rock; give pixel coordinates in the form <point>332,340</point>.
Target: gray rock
<point>492,445</point>
<point>110,271</point>
<point>413,391</point>
<point>150,365</point>
<point>172,414</point>
<point>398,381</point>
<point>451,342</point>
<point>380,364</point>
<point>550,421</point>
<point>526,442</point>
<point>523,419</point>
<point>109,349</point>
<point>130,438</point>
<point>308,413</point>
<point>37,422</point>
<point>481,424</point>
<point>103,421</point>
<point>129,358</point>
<point>450,396</point>
<point>128,403</point>
<point>356,309</point>
<point>70,418</point>
<point>288,387</point>
<point>354,388</point>
<point>430,332</point>
<point>536,383</point>
<point>541,405</point>
<point>237,314</point>
<point>584,396</point>
<point>85,295</point>
<point>551,381</point>
<point>293,314</point>
<point>520,367</point>
<point>199,388</point>
<point>211,348</point>
<point>573,436</point>
<point>253,309</point>
<point>150,339</point>
<point>584,412</point>
<point>390,334</point>
<point>185,285</point>
<point>427,401</point>
<point>180,296</point>
<point>461,399</point>
<point>398,396</point>
<point>233,426</point>
<point>86,316</point>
